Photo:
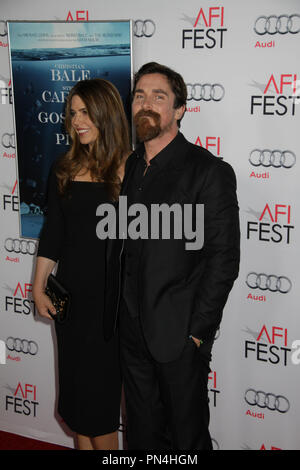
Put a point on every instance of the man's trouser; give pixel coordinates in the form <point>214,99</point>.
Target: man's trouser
<point>166,403</point>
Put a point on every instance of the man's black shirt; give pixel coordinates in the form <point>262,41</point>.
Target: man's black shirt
<point>141,182</point>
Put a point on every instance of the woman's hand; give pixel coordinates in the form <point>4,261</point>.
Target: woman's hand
<point>43,304</point>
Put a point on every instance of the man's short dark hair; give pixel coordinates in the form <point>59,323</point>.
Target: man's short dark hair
<point>175,80</point>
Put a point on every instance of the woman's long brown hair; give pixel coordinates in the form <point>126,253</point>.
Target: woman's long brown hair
<point>108,153</point>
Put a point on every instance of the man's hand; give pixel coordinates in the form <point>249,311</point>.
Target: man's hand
<point>197,341</point>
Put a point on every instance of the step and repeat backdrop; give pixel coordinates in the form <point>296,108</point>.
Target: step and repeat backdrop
<point>240,61</point>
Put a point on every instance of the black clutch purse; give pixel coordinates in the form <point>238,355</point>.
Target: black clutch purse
<point>60,298</point>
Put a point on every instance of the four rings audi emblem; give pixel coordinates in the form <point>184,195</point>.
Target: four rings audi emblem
<point>144,28</point>
<point>3,28</point>
<point>22,346</point>
<point>25,247</point>
<point>267,400</point>
<point>205,92</point>
<point>274,158</point>
<point>8,141</point>
<point>269,282</point>
<point>273,24</point>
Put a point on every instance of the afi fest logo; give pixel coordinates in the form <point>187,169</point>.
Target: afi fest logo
<point>264,348</point>
<point>278,97</point>
<point>269,345</point>
<point>207,29</point>
<point>23,400</point>
<point>263,447</point>
<point>213,391</point>
<point>5,91</point>
<point>20,301</point>
<point>78,15</point>
<point>211,143</point>
<point>278,230</point>
<point>11,201</point>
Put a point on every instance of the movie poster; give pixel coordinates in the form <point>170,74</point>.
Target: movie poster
<point>47,60</point>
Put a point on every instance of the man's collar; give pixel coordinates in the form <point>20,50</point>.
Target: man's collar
<point>171,153</point>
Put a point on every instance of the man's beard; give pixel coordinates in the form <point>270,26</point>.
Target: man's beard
<point>144,129</point>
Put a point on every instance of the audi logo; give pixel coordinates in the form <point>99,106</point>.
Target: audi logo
<point>8,141</point>
<point>274,158</point>
<point>273,24</point>
<point>269,282</point>
<point>26,247</point>
<point>205,92</point>
<point>267,400</point>
<point>3,28</point>
<point>144,28</point>
<point>22,346</point>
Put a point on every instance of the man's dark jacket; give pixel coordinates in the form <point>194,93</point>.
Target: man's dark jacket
<point>182,292</point>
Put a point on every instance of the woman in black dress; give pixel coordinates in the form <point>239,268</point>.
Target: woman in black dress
<point>88,175</point>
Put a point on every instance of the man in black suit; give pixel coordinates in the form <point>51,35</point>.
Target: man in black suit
<point>172,297</point>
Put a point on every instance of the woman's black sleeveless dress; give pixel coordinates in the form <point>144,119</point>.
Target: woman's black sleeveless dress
<point>88,366</point>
